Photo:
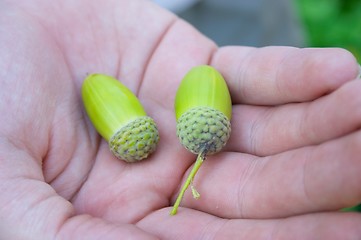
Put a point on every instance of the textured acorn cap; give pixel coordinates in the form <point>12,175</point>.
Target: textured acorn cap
<point>136,140</point>
<point>203,129</point>
<point>119,117</point>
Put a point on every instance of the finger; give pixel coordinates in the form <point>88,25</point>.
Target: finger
<point>277,75</point>
<point>319,178</point>
<point>190,224</point>
<point>264,131</point>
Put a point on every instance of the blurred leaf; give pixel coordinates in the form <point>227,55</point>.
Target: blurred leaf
<point>332,23</point>
<point>353,209</point>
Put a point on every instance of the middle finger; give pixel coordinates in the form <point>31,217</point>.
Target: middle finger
<point>263,131</point>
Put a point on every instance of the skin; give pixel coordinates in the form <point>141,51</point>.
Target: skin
<point>291,163</point>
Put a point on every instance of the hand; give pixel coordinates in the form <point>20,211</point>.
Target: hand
<point>292,161</point>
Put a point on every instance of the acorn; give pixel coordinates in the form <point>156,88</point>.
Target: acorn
<point>203,109</point>
<point>119,117</point>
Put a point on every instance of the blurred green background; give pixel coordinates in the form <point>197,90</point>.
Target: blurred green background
<point>332,23</point>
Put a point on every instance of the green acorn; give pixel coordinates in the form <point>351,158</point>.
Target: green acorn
<point>119,118</point>
<point>203,110</point>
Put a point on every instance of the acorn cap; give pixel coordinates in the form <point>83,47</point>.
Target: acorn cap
<point>203,129</point>
<point>136,140</point>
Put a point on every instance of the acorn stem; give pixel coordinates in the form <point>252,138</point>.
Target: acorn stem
<point>197,165</point>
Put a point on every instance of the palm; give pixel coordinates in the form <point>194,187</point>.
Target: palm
<point>150,58</point>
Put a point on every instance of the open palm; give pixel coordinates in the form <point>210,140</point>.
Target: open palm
<point>292,161</point>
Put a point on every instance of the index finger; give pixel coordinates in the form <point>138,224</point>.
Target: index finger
<point>278,75</point>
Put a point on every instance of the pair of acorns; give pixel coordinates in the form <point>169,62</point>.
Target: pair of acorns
<point>203,111</point>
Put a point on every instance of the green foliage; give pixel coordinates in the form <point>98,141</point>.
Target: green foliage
<point>353,209</point>
<point>332,23</point>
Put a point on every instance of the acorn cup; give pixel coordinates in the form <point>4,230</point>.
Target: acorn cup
<point>203,109</point>
<point>119,118</point>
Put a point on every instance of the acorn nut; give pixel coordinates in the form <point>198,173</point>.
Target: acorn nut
<point>119,118</point>
<point>203,109</point>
